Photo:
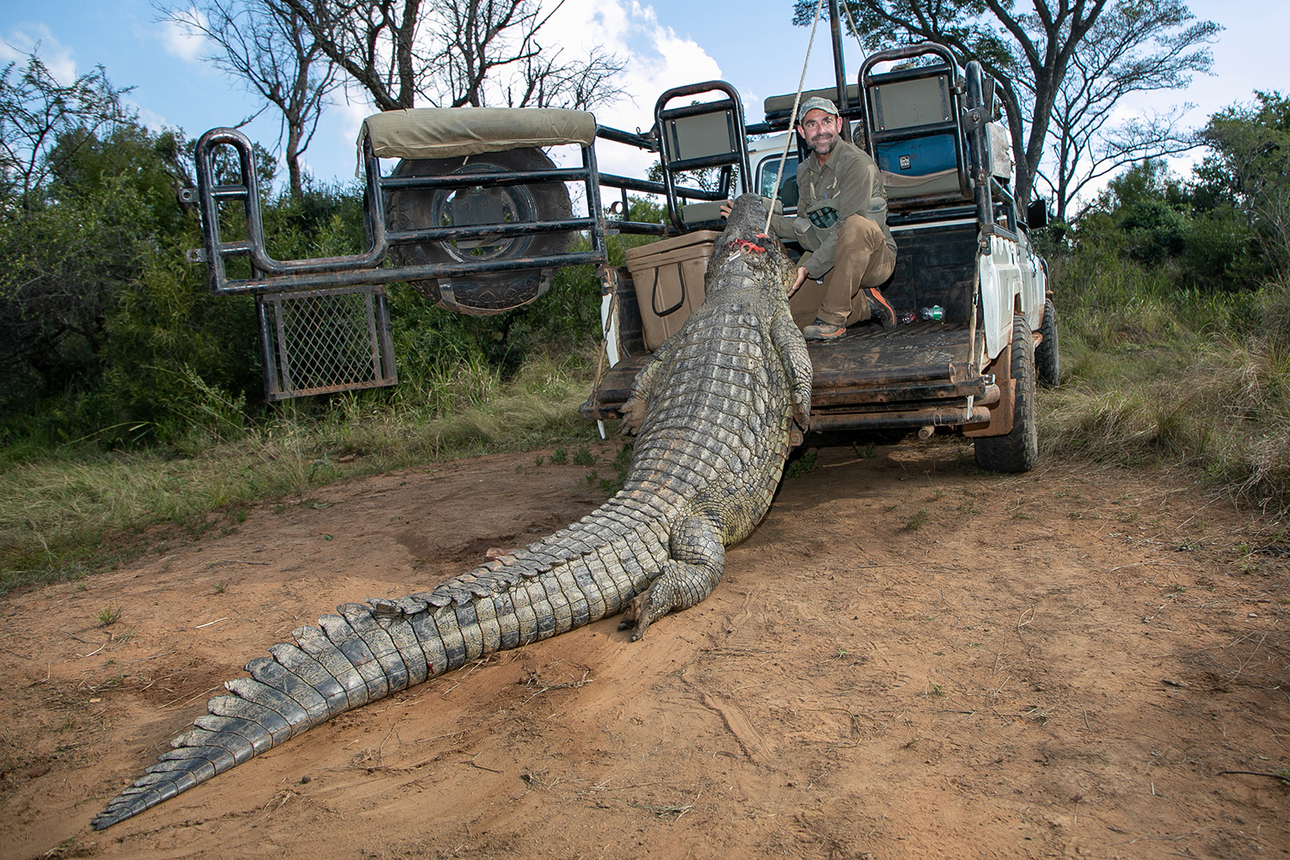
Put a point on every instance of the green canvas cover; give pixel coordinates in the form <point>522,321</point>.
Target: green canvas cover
<point>422,133</point>
<point>783,105</point>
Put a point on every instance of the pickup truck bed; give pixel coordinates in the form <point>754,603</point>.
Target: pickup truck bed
<point>911,375</point>
<point>888,376</point>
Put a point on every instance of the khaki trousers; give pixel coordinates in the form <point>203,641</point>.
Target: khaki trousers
<point>863,259</point>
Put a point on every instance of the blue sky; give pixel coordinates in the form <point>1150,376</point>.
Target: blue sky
<point>668,42</point>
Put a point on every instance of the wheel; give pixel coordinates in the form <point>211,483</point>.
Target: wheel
<point>1018,451</point>
<point>489,293</point>
<point>1048,366</point>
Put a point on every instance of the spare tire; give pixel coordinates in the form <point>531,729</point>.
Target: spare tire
<point>420,208</point>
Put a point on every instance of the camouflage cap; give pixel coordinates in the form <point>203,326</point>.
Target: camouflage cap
<point>816,103</point>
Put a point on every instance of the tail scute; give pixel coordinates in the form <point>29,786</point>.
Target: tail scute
<point>235,745</point>
<point>253,713</point>
<point>315,643</point>
<point>355,650</point>
<point>399,629</point>
<point>219,758</point>
<point>432,648</point>
<point>295,717</point>
<point>313,673</point>
<point>272,674</point>
<point>378,641</point>
<point>253,733</point>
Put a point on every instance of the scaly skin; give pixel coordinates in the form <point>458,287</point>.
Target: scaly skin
<point>716,411</point>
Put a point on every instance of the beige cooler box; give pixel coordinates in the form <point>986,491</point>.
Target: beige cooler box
<point>668,275</point>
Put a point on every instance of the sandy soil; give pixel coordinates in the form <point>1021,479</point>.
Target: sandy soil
<point>908,659</point>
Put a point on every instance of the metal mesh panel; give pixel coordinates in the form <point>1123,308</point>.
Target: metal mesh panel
<point>320,341</point>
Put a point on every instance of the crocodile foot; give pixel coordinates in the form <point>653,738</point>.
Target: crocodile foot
<point>637,616</point>
<point>633,412</point>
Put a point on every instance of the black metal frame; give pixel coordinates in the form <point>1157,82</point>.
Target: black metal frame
<point>672,163</point>
<point>270,275</point>
<point>875,136</point>
<point>649,143</point>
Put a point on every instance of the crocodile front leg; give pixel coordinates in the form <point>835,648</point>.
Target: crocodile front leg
<point>643,389</point>
<point>698,558</point>
<point>797,363</point>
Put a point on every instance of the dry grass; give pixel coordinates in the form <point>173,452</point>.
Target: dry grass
<point>1202,383</point>
<point>61,517</point>
<point>1194,383</point>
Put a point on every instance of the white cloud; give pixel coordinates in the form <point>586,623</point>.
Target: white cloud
<point>184,40</point>
<point>656,59</point>
<point>151,120</point>
<point>27,39</point>
<point>345,119</point>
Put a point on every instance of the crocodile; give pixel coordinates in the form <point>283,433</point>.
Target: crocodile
<point>715,412</point>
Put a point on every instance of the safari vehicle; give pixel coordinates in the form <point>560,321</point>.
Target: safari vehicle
<point>477,214</point>
<point>962,248</point>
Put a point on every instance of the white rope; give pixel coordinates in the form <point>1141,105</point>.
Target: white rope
<point>792,120</point>
<point>855,31</point>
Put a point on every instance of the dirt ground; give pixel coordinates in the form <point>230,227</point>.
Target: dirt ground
<point>910,658</point>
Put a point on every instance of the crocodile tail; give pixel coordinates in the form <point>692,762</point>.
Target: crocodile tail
<point>345,662</point>
<point>368,651</point>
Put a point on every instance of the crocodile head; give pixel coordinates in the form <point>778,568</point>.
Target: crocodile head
<point>746,241</point>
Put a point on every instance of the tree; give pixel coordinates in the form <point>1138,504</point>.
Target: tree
<point>1029,53</point>
<point>1145,210</point>
<point>1202,240</point>
<point>95,296</point>
<point>266,44</point>
<point>1249,169</point>
<point>51,288</point>
<point>448,52</point>
<point>36,111</point>
<point>1132,48</point>
<point>372,41</point>
<point>544,81</point>
<point>108,207</point>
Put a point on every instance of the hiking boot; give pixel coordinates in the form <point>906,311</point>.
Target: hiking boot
<point>820,330</point>
<point>879,309</point>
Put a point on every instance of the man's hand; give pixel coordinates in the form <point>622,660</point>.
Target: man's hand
<point>726,206</point>
<point>801,279</point>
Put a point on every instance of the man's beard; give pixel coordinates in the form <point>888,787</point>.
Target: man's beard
<point>832,142</point>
